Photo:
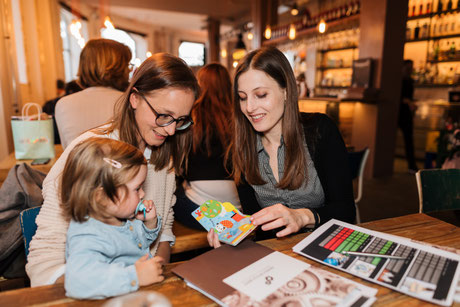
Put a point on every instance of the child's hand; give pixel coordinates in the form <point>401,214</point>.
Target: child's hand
<point>150,214</point>
<point>149,270</point>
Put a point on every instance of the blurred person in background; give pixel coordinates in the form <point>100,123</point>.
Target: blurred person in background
<point>205,175</point>
<point>103,75</point>
<point>406,114</point>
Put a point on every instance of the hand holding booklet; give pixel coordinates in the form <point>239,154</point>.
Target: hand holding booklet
<point>229,223</point>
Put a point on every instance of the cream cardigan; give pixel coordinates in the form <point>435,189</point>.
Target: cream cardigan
<point>46,259</point>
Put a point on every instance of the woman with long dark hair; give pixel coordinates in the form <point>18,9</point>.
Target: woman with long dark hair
<point>291,168</point>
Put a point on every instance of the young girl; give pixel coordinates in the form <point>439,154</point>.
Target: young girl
<point>108,240</point>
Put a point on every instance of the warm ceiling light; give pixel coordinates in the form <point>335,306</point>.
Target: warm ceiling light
<point>223,53</point>
<point>148,54</point>
<point>240,48</point>
<point>108,23</point>
<point>235,63</point>
<point>75,30</point>
<point>268,32</point>
<point>292,31</point>
<point>250,35</point>
<point>322,26</point>
<point>294,10</point>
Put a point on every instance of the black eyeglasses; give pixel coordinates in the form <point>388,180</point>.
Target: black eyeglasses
<point>164,120</point>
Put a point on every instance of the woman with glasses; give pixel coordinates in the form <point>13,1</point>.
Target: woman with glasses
<point>205,176</point>
<point>103,74</point>
<point>152,115</point>
<point>291,168</point>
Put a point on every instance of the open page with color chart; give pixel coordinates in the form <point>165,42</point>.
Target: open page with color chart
<point>229,223</point>
<point>424,272</point>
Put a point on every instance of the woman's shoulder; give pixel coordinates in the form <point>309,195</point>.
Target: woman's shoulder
<point>316,121</point>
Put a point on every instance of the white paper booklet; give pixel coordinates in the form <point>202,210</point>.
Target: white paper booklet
<point>280,280</point>
<point>424,272</point>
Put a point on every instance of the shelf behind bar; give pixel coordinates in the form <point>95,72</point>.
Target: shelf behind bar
<point>443,61</point>
<point>327,67</point>
<point>311,30</point>
<point>436,85</point>
<point>432,14</point>
<point>432,38</point>
<point>332,87</point>
<point>337,49</point>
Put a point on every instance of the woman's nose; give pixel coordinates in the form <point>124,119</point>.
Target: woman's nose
<point>250,105</point>
<point>170,129</point>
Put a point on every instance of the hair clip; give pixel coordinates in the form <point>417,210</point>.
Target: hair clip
<point>112,162</point>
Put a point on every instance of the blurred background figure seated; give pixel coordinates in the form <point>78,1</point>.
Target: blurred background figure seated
<point>103,74</point>
<point>50,106</point>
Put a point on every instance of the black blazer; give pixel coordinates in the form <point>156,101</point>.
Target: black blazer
<point>329,155</point>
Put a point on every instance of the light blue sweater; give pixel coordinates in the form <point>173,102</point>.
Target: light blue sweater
<point>100,257</point>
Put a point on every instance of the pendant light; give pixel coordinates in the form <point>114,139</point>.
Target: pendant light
<point>240,48</point>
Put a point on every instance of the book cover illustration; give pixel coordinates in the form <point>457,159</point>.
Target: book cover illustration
<point>311,287</point>
<point>229,223</point>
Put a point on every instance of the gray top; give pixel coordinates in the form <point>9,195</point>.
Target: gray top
<point>309,195</point>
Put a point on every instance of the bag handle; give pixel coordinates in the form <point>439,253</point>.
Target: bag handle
<point>26,108</point>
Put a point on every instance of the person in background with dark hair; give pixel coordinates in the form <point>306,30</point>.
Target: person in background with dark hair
<point>205,175</point>
<point>406,110</point>
<point>103,74</point>
<point>291,168</point>
<point>50,106</point>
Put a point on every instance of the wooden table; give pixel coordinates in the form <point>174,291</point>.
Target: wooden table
<point>7,163</point>
<point>415,226</point>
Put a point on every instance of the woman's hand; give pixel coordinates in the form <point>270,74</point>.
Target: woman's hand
<point>213,239</point>
<point>279,215</point>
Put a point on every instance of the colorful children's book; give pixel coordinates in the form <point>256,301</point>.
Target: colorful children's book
<point>229,223</point>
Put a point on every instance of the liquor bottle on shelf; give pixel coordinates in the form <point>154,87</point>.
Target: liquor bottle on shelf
<point>440,29</point>
<point>449,5</point>
<point>424,31</point>
<point>434,25</point>
<point>413,8</point>
<point>417,31</point>
<point>453,22</point>
<point>446,24</point>
<point>436,50</point>
<point>408,33</point>
<point>439,8</point>
<point>428,7</point>
<point>420,8</point>
<point>452,51</point>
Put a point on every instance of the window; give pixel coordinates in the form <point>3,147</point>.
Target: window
<point>71,45</point>
<point>192,53</point>
<point>136,42</point>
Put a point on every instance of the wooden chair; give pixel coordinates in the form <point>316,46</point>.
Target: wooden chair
<point>29,227</point>
<point>188,239</point>
<point>438,189</point>
<point>357,161</point>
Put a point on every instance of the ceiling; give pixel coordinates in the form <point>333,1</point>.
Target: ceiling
<point>183,14</point>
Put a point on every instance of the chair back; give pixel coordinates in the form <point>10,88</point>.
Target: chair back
<point>438,189</point>
<point>29,227</point>
<point>357,162</point>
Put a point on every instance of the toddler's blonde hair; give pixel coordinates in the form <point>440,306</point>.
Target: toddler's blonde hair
<point>88,169</point>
